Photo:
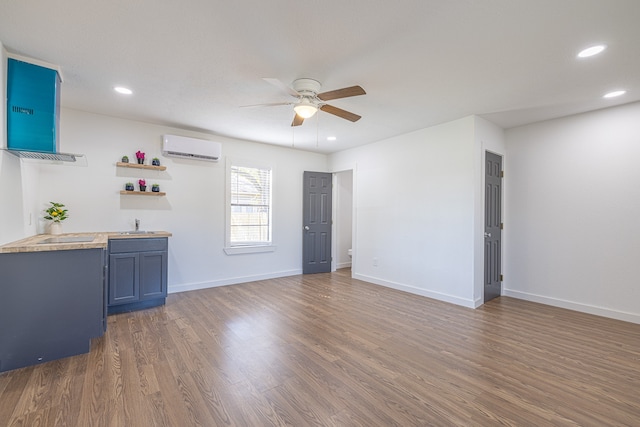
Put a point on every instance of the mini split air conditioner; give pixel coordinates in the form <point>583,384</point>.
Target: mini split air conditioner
<point>191,148</point>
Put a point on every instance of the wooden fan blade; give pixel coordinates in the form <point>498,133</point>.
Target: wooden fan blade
<point>342,93</point>
<point>283,87</point>
<point>340,113</point>
<point>297,120</point>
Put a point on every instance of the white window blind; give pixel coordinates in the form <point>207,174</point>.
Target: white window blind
<point>250,210</point>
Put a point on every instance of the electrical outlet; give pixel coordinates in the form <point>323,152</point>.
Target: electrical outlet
<point>375,262</point>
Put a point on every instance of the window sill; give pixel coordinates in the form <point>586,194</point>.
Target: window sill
<point>237,250</point>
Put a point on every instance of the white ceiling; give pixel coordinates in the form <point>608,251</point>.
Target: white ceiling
<point>194,63</point>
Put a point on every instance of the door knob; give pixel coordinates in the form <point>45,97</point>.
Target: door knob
<point>487,234</point>
<point>306,227</point>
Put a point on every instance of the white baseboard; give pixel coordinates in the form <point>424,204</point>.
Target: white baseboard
<point>417,291</point>
<point>555,302</point>
<point>172,289</point>
<point>343,265</point>
<point>570,305</point>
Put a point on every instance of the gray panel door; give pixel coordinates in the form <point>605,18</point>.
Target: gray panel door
<point>316,241</point>
<point>492,226</point>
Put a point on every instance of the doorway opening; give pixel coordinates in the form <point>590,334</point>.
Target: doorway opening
<point>343,220</point>
<point>328,221</point>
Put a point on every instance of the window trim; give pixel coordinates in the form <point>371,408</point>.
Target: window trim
<point>236,249</point>
<point>255,249</point>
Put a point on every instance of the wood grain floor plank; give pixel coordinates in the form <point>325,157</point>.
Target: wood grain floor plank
<point>96,390</point>
<point>159,412</point>
<point>328,350</point>
<point>250,408</point>
<point>170,399</point>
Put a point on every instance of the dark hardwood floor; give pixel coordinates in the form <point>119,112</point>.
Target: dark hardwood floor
<point>327,350</point>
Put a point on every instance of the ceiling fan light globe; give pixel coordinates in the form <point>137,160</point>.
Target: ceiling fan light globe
<point>305,110</point>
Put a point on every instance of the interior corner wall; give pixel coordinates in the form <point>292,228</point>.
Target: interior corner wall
<point>414,211</point>
<point>573,209</point>
<point>11,185</point>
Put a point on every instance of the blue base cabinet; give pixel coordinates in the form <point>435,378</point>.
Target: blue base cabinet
<point>137,273</point>
<point>52,303</point>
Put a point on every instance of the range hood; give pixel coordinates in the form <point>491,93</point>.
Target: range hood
<point>36,155</point>
<point>33,111</point>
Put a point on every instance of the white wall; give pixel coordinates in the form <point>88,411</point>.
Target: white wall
<point>573,212</point>
<point>18,180</point>
<point>488,137</point>
<point>343,217</point>
<point>414,203</point>
<point>194,207</point>
<point>11,225</point>
<point>12,174</point>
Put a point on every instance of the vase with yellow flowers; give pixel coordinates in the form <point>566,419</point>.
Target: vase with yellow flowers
<point>56,213</point>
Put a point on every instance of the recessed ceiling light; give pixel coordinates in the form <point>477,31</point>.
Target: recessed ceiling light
<point>331,138</point>
<point>123,90</point>
<point>590,51</point>
<point>615,93</point>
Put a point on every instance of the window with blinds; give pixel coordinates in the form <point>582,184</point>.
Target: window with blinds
<point>250,206</point>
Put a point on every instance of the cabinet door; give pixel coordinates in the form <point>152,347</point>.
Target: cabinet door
<point>123,278</point>
<point>153,274</point>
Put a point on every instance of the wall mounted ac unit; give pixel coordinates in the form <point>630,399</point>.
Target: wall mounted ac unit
<point>191,148</point>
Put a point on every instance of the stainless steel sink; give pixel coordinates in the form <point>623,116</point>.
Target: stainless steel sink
<point>125,233</point>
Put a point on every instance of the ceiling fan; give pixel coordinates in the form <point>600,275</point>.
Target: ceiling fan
<point>310,100</point>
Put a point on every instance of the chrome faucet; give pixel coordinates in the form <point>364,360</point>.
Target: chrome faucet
<point>137,224</point>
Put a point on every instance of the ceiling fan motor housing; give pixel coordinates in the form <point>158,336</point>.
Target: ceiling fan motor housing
<point>307,86</point>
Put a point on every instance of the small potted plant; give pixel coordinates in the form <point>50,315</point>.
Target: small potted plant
<point>56,213</point>
<point>125,159</point>
<point>128,186</point>
<point>140,157</point>
<point>155,188</point>
<point>143,184</point>
<point>155,161</point>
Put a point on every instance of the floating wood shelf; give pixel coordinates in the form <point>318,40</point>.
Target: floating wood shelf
<point>138,166</point>
<point>143,193</point>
